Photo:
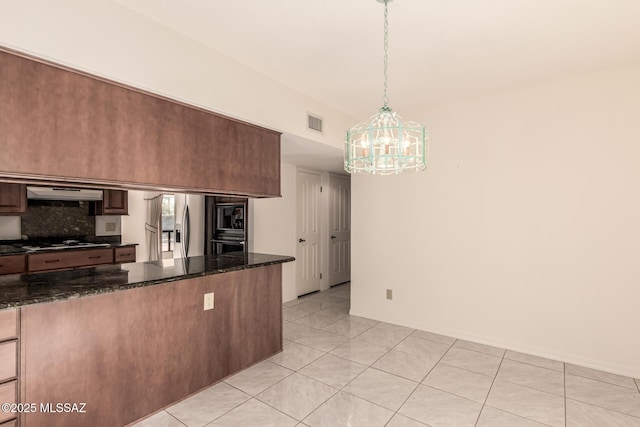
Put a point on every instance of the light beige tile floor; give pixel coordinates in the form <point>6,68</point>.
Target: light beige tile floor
<point>342,370</point>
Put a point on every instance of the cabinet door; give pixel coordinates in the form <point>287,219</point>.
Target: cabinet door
<point>8,394</point>
<point>13,199</point>
<point>8,324</point>
<point>115,202</point>
<point>8,358</point>
<point>48,113</point>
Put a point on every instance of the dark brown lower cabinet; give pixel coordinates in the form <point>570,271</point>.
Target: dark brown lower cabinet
<point>8,363</point>
<point>124,254</point>
<point>69,259</point>
<point>127,354</point>
<point>11,264</point>
<point>64,260</point>
<point>8,394</point>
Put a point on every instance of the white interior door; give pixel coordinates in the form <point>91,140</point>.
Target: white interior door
<point>339,229</point>
<point>308,227</point>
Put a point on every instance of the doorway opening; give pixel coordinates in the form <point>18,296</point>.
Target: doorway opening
<point>168,225</point>
<point>323,230</point>
<point>339,229</point>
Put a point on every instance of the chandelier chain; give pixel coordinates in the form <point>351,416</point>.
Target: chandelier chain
<point>385,97</point>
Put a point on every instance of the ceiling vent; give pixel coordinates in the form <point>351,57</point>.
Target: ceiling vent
<point>315,123</point>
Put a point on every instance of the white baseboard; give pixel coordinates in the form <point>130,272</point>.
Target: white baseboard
<point>629,371</point>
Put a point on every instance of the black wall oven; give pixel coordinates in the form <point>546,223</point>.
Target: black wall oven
<point>223,246</point>
<point>226,225</point>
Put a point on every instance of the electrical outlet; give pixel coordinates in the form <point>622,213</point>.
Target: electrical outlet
<point>110,226</point>
<point>389,294</point>
<point>208,301</point>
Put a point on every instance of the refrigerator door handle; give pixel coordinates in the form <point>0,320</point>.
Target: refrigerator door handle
<point>185,231</point>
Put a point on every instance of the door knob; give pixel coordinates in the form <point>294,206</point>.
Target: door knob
<point>301,240</point>
<point>333,237</point>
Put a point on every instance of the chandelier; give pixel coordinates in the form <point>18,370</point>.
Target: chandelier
<point>386,143</point>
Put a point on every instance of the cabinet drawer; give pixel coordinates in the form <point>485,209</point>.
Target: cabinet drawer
<point>126,254</point>
<point>70,259</point>
<point>8,393</point>
<point>8,355</point>
<point>8,324</point>
<point>10,264</point>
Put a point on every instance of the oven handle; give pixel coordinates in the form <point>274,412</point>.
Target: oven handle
<point>230,242</point>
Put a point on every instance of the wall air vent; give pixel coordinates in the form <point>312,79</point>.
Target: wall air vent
<point>314,123</point>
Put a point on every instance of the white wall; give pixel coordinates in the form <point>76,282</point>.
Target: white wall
<point>133,225</point>
<point>107,39</point>
<point>524,232</point>
<point>10,227</point>
<point>103,221</point>
<point>272,228</point>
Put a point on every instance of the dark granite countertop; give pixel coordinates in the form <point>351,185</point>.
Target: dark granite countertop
<point>17,249</point>
<point>25,289</point>
<point>11,250</point>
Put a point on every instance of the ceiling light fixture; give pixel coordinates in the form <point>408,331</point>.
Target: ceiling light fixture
<point>386,143</point>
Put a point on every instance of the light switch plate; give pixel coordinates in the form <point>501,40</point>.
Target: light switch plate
<point>389,294</point>
<point>208,301</point>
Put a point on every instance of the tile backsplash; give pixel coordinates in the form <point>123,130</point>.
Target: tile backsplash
<point>49,218</point>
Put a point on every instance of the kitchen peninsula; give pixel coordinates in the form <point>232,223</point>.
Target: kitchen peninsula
<point>130,339</point>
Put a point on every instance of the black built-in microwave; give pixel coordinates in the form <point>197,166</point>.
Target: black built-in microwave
<point>226,224</point>
<point>230,217</point>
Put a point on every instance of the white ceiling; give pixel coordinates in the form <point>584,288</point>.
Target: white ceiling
<point>439,50</point>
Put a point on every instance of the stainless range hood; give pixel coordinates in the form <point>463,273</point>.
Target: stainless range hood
<point>62,193</point>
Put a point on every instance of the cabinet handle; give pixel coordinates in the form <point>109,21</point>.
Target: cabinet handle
<point>95,257</point>
<point>125,254</point>
<point>1,265</point>
<point>301,240</point>
<point>49,261</point>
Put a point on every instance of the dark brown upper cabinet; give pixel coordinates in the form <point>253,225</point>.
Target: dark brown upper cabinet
<point>61,125</point>
<point>13,199</point>
<point>114,202</point>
